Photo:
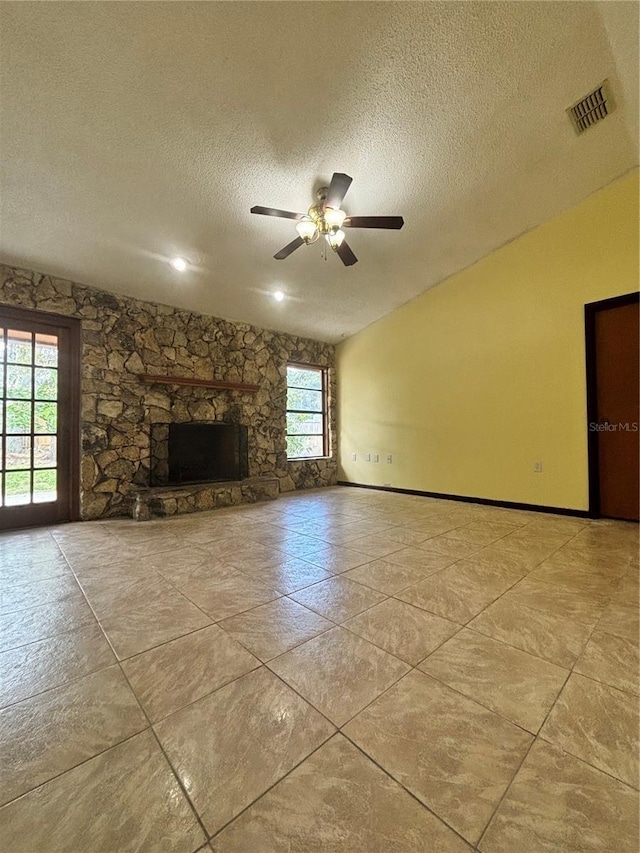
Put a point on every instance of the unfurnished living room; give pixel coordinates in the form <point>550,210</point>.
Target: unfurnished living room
<point>319,418</point>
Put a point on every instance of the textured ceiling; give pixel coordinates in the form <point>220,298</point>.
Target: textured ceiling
<point>132,132</point>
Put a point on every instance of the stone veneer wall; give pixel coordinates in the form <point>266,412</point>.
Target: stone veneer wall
<point>124,337</point>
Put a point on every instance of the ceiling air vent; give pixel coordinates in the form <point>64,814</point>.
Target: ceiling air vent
<point>591,109</point>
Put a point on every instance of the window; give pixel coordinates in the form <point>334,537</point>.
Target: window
<point>306,412</point>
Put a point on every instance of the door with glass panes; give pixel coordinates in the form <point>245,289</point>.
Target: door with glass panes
<point>39,374</point>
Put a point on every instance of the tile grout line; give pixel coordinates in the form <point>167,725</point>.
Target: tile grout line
<point>405,789</point>
<point>387,597</point>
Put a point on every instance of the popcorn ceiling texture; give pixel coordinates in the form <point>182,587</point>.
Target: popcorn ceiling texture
<point>138,131</point>
<point>123,337</point>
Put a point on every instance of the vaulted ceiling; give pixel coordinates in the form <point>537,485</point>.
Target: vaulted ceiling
<point>133,132</point>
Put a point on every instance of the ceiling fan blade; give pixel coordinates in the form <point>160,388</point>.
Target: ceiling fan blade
<point>272,211</point>
<point>290,247</point>
<point>395,222</point>
<point>346,254</point>
<point>338,187</point>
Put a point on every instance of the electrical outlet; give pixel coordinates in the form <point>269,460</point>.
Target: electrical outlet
<point>354,457</point>
<point>376,458</point>
<point>367,457</point>
<point>537,467</point>
<point>389,458</point>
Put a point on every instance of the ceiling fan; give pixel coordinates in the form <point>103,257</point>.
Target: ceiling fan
<point>325,218</point>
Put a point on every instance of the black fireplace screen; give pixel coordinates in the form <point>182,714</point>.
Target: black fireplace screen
<point>198,453</point>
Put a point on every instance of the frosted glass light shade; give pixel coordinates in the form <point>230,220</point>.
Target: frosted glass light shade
<point>336,239</point>
<point>334,218</point>
<point>306,228</point>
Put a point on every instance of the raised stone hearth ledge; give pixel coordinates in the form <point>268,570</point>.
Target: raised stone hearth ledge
<point>123,338</point>
<point>161,501</point>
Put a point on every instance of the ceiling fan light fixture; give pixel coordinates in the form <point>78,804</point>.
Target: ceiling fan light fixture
<point>307,229</point>
<point>179,264</point>
<point>335,240</point>
<point>334,218</point>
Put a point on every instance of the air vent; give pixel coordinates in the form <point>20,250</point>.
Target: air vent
<point>591,109</point>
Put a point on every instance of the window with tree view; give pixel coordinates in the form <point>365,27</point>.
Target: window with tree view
<point>306,412</point>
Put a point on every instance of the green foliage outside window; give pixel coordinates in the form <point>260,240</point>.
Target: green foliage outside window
<point>305,413</point>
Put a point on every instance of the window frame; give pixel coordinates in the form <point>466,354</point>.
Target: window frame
<point>324,374</point>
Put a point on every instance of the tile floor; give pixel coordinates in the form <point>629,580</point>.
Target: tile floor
<point>339,671</point>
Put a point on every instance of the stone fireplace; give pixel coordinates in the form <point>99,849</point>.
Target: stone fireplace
<point>123,339</point>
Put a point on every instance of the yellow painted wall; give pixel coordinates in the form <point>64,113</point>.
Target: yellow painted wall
<point>471,383</point>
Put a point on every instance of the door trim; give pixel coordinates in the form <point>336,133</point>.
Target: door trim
<point>591,309</point>
<point>74,329</point>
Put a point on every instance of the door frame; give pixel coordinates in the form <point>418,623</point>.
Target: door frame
<point>591,309</point>
<point>72,435</point>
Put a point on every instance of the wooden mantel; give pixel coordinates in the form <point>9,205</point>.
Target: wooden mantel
<point>150,378</point>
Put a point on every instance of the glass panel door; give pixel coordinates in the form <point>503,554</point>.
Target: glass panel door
<point>36,419</point>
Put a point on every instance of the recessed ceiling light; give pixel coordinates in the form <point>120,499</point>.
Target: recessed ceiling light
<point>178,264</point>
<point>278,296</point>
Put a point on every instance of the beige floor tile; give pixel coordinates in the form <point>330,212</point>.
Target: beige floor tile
<point>627,591</point>
<point>425,562</point>
<point>177,673</point>
<point>567,603</point>
<point>431,526</point>
<point>337,800</point>
<point>558,804</point>
<point>219,547</point>
<point>598,724</point>
<point>148,624</point>
<point>336,560</point>
<point>157,542</point>
<point>233,745</point>
<point>274,628</point>
<point>454,755</point>
<point>605,557</point>
<point>338,672</point>
<point>22,595</point>
<point>111,594</point>
<point>529,550</point>
<point>559,571</point>
<point>18,568</point>
<point>289,574</point>
<point>620,620</point>
<point>185,563</point>
<point>384,576</point>
<point>201,534</point>
<point>337,599</point>
<point>125,799</point>
<point>546,635</point>
<point>303,546</point>
<point>47,734</point>
<point>460,591</point>
<point>95,555</point>
<point>24,552</point>
<point>253,556</point>
<point>405,535</point>
<point>225,591</point>
<point>510,682</point>
<point>45,620</point>
<point>457,549</point>
<point>45,664</point>
<point>612,660</point>
<point>376,545</point>
<point>500,665</point>
<point>481,532</point>
<point>500,560</point>
<point>402,630</point>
